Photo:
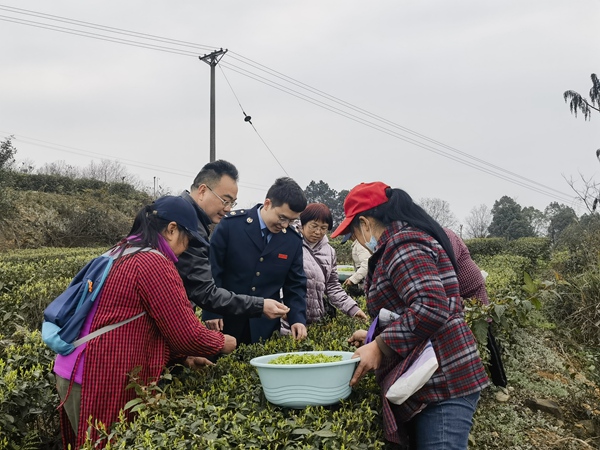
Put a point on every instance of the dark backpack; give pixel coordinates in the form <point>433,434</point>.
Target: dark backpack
<point>65,315</point>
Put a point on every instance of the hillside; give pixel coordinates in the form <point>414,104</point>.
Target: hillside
<point>546,323</point>
<point>89,217</point>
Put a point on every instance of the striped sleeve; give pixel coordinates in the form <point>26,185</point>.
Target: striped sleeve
<point>164,299</point>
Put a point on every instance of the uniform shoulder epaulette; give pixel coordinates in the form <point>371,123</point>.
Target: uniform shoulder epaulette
<point>294,231</point>
<point>236,213</point>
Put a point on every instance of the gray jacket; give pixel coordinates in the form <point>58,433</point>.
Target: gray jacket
<point>194,269</point>
<point>320,267</point>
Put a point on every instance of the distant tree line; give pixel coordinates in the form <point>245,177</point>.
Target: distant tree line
<point>507,219</point>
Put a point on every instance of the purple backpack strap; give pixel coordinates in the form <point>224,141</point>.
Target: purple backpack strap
<point>371,331</point>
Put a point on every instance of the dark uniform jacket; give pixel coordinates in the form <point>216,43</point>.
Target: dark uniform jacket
<point>194,269</point>
<point>242,262</point>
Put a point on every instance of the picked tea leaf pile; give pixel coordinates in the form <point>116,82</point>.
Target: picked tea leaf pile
<point>305,358</point>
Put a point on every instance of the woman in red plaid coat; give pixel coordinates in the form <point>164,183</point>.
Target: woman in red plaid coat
<point>412,273</point>
<point>92,380</point>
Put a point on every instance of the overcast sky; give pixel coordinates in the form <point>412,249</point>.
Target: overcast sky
<point>341,91</point>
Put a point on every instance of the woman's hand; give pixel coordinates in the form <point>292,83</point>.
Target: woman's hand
<point>230,344</point>
<point>370,359</point>
<point>358,338</point>
<point>299,331</point>
<point>361,315</point>
<point>196,362</point>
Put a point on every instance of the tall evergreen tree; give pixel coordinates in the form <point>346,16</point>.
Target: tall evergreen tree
<point>320,192</point>
<point>509,220</point>
<point>559,217</point>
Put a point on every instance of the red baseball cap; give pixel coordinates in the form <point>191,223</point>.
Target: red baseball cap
<point>361,198</point>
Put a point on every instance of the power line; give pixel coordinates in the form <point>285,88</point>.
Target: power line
<point>408,139</point>
<point>471,161</point>
<point>94,36</point>
<point>105,28</point>
<point>375,116</point>
<point>247,118</point>
<point>124,161</point>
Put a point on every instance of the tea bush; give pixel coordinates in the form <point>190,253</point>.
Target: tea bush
<point>223,406</point>
<point>343,251</point>
<point>87,219</point>
<point>505,272</point>
<point>536,249</point>
<point>30,279</point>
<point>479,247</point>
<point>28,398</point>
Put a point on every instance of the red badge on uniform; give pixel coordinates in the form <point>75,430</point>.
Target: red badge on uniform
<point>282,256</point>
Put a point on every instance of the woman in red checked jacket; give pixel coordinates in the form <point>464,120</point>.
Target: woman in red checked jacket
<point>92,380</point>
<point>412,273</point>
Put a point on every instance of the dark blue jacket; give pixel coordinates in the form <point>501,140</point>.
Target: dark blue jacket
<point>242,263</point>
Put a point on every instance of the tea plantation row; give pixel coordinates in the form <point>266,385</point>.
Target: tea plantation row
<point>223,406</point>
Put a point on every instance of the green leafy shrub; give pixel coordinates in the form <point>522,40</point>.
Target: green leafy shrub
<point>343,251</point>
<point>92,218</point>
<point>222,406</point>
<point>575,305</point>
<point>536,249</point>
<point>67,185</point>
<point>581,241</point>
<point>505,273</point>
<point>480,247</point>
<point>31,279</point>
<point>28,399</point>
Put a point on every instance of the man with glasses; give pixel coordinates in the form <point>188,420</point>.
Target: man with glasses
<point>257,252</point>
<point>213,194</point>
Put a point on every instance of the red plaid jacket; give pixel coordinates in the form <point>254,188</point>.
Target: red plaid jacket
<point>411,274</point>
<point>470,279</point>
<point>140,282</point>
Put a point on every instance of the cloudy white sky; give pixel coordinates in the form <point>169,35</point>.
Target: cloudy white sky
<point>342,91</point>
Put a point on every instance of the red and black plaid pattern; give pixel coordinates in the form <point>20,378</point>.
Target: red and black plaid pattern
<point>411,274</point>
<point>470,280</point>
<point>140,282</point>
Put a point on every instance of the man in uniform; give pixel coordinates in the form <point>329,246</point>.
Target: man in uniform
<point>256,252</point>
<point>212,195</point>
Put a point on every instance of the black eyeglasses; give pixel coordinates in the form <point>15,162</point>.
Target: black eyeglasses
<point>226,203</point>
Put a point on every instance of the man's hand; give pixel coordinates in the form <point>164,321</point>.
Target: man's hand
<point>274,309</point>
<point>299,331</point>
<point>230,344</point>
<point>214,324</point>
<point>196,362</point>
<point>370,359</point>
<point>348,282</point>
<point>358,338</point>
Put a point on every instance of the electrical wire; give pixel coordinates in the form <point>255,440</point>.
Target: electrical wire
<point>124,161</point>
<point>95,36</point>
<point>558,194</point>
<point>105,28</point>
<point>473,163</point>
<point>375,116</point>
<point>247,118</point>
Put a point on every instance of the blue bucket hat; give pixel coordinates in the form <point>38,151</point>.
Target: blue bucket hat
<point>177,209</point>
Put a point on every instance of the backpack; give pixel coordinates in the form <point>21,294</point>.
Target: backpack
<point>65,315</point>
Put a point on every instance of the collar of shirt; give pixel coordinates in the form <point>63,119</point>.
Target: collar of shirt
<point>263,225</point>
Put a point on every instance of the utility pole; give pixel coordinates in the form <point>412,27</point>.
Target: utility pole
<point>212,59</point>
